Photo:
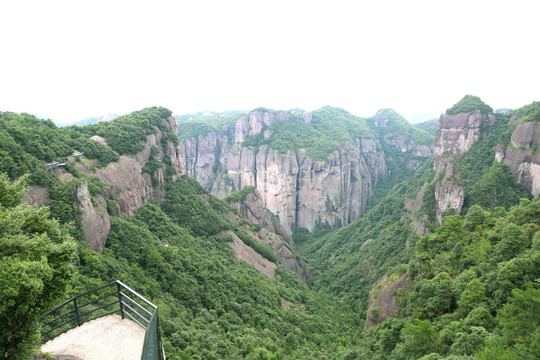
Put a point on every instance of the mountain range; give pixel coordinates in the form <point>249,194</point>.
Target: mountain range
<point>287,234</point>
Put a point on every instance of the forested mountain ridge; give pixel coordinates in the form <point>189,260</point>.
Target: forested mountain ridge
<point>375,263</point>
<point>309,168</point>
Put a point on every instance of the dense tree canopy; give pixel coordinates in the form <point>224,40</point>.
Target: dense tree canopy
<point>35,268</point>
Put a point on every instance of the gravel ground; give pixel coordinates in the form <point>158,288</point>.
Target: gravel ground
<point>106,338</point>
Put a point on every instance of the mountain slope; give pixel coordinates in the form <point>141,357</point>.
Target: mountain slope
<point>217,278</point>
<point>382,250</point>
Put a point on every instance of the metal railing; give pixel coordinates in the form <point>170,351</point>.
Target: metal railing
<point>108,299</point>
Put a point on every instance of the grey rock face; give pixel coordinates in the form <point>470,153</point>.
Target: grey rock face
<point>457,133</point>
<point>449,191</point>
<point>522,156</point>
<point>125,183</point>
<point>94,221</point>
<point>300,191</point>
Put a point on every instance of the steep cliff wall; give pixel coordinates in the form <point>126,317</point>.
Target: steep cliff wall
<point>299,190</point>
<point>457,133</point>
<point>521,154</point>
<point>94,218</point>
<point>445,192</point>
<point>125,182</point>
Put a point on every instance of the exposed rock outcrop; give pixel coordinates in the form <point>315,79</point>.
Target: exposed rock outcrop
<point>457,133</point>
<point>93,217</point>
<point>252,209</point>
<point>449,191</point>
<point>382,300</point>
<point>250,256</point>
<point>522,156</point>
<point>410,145</point>
<point>125,181</point>
<point>299,190</point>
<point>37,195</point>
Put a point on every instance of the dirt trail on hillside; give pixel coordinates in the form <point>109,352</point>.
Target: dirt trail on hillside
<point>106,338</point>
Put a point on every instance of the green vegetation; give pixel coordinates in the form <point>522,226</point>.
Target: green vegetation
<point>212,305</point>
<point>395,132</point>
<point>240,195</point>
<point>396,126</point>
<point>472,291</point>
<point>127,133</point>
<point>468,104</point>
<point>487,182</point>
<point>473,282</point>
<point>528,113</point>
<point>194,125</point>
<point>35,269</point>
<point>329,130</point>
<point>430,126</point>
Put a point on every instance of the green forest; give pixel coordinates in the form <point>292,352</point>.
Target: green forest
<point>470,287</point>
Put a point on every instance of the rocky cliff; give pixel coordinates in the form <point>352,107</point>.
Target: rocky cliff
<point>521,154</point>
<point>301,191</point>
<point>94,219</point>
<point>457,133</point>
<point>251,207</point>
<point>125,182</point>
<point>444,193</point>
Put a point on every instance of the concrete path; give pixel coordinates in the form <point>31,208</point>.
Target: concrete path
<point>106,338</point>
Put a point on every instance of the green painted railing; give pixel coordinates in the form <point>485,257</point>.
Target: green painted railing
<point>112,298</point>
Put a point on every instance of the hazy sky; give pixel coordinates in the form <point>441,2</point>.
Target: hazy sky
<point>68,60</point>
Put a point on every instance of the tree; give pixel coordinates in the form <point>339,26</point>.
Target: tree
<point>418,339</point>
<point>520,317</point>
<point>474,294</point>
<point>35,256</point>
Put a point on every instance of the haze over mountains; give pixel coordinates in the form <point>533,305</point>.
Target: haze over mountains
<point>286,234</point>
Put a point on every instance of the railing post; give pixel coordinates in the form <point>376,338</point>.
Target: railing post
<point>120,299</point>
<point>76,311</point>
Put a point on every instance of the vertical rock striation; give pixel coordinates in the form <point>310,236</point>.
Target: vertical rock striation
<point>299,190</point>
<point>94,220</point>
<point>522,156</point>
<point>456,135</point>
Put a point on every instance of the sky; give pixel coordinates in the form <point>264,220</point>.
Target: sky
<point>70,60</point>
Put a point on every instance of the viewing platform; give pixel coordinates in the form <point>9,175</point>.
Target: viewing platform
<point>108,337</point>
<point>110,322</point>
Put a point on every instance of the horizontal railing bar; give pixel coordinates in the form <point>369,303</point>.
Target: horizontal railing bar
<point>135,311</point>
<point>132,318</point>
<point>59,317</point>
<point>136,294</point>
<point>74,326</point>
<point>80,315</point>
<point>62,324</point>
<point>98,299</point>
<point>136,303</point>
<point>84,294</point>
<point>101,307</point>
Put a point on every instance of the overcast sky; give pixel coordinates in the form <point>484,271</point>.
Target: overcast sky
<point>69,60</point>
